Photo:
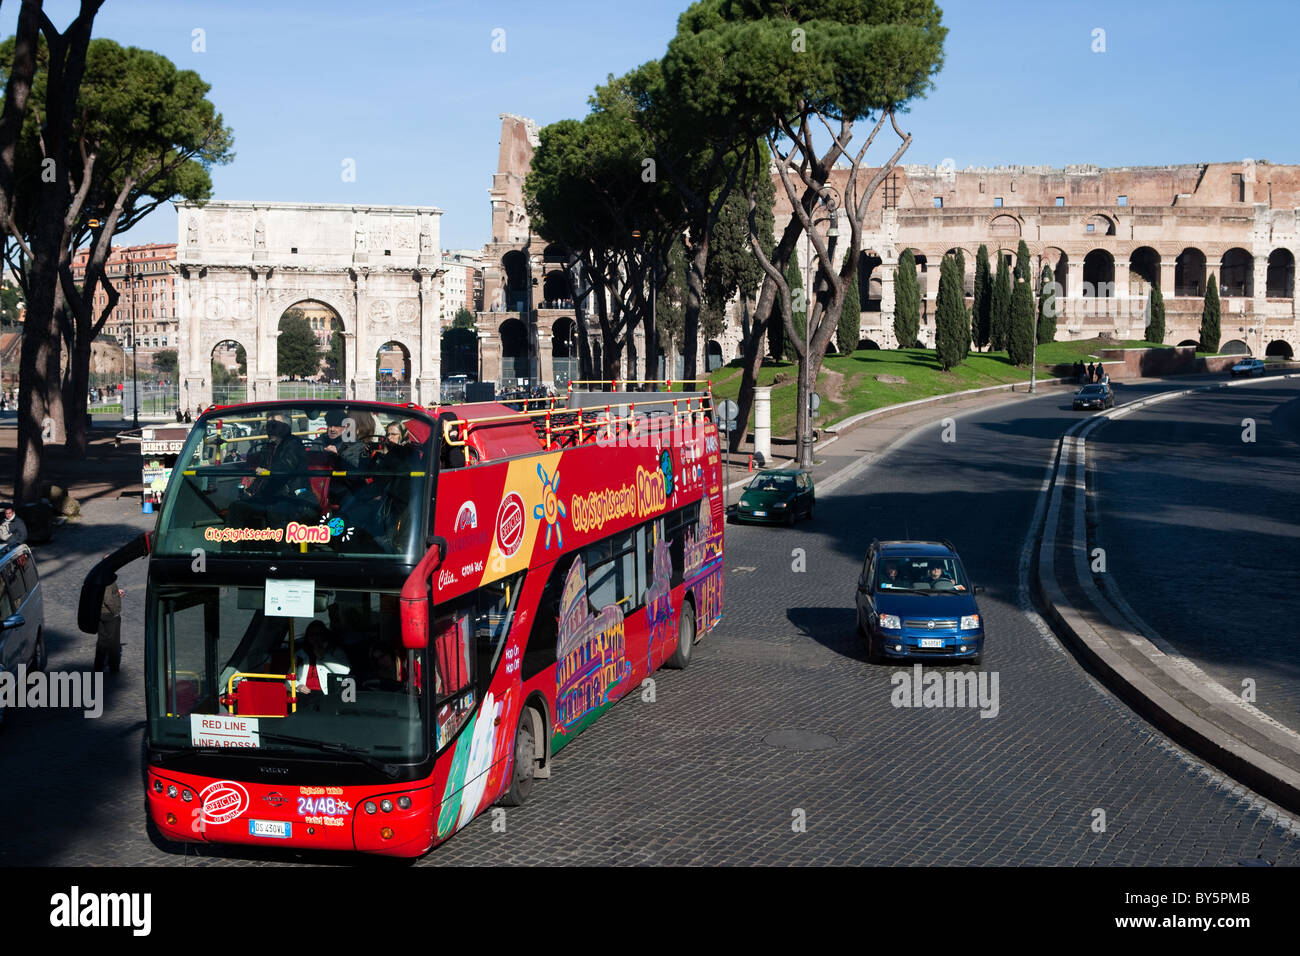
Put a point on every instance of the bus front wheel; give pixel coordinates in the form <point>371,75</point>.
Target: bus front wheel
<point>521,778</point>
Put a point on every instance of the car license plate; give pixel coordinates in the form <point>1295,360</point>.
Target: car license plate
<point>280,829</point>
<point>932,642</point>
<point>760,514</point>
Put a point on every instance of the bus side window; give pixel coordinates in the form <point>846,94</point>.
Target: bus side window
<point>544,637</point>
<point>495,617</point>
<point>453,697</point>
<point>675,527</point>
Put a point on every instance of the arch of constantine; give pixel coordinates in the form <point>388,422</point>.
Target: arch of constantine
<point>371,272</point>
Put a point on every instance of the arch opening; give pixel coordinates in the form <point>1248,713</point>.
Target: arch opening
<point>1099,274</point>
<point>1280,283</point>
<point>228,364</point>
<point>1237,274</point>
<point>393,373</point>
<point>310,356</point>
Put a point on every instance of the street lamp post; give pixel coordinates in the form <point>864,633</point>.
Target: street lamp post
<point>135,347</point>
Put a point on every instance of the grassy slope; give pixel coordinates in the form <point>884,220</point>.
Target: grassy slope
<point>859,391</point>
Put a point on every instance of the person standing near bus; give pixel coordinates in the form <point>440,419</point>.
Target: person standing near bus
<point>108,642</point>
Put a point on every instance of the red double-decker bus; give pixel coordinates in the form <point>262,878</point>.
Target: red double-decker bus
<point>367,623</point>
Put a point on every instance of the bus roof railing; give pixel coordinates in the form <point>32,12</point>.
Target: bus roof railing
<point>585,416</point>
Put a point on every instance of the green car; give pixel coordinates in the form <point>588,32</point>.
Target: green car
<point>777,497</point>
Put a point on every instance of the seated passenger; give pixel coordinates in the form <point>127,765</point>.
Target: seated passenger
<point>890,578</point>
<point>319,659</point>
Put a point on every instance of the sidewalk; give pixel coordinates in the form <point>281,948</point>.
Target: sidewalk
<point>107,471</point>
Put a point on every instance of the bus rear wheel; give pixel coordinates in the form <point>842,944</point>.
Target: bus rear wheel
<point>521,774</point>
<point>685,638</point>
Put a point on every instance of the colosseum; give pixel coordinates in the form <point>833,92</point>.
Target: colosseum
<point>1107,234</point>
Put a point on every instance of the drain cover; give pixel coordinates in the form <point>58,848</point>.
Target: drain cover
<point>800,740</point>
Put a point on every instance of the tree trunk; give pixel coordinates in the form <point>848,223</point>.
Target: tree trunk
<point>698,261</point>
<point>75,398</point>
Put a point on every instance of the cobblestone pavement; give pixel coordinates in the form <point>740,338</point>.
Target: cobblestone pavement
<point>689,778</point>
<point>1202,532</point>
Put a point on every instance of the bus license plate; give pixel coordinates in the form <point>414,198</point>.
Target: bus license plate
<point>932,642</point>
<point>279,829</point>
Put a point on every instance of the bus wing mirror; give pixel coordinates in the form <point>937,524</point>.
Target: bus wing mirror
<point>441,542</point>
<point>92,590</point>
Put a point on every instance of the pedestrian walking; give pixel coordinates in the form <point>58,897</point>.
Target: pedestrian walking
<point>108,641</point>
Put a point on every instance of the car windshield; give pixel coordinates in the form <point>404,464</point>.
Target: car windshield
<point>289,478</point>
<point>771,483</point>
<point>1090,390</point>
<point>337,676</point>
<point>922,573</point>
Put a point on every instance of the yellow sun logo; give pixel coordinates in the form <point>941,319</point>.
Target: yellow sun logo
<point>552,508</point>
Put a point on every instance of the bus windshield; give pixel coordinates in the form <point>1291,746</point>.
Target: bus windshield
<point>338,680</point>
<point>286,478</point>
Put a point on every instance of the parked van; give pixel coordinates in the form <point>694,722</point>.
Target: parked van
<point>22,613</point>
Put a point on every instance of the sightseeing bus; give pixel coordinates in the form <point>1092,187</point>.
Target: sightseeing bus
<point>366,623</point>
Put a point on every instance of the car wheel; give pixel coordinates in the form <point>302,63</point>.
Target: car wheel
<point>39,657</point>
<point>875,653</point>
<point>685,639</point>
<point>521,774</point>
<point>789,518</point>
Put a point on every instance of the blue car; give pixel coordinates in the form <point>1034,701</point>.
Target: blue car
<point>914,600</point>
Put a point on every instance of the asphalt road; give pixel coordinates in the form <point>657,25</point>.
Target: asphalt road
<point>1063,774</point>
<point>1201,529</point>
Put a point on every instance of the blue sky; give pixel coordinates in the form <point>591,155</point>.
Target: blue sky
<point>412,90</point>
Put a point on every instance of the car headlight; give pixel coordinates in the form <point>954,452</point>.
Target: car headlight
<point>744,502</point>
<point>890,622</point>
<point>781,504</point>
<point>970,622</point>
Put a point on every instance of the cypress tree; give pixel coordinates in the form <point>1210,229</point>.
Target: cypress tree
<point>1023,265</point>
<point>1155,331</point>
<point>798,305</point>
<point>1210,319</point>
<point>980,308</point>
<point>1047,306</point>
<point>850,326</point>
<point>961,286</point>
<point>1020,340</point>
<point>907,301</point>
<point>1000,307</point>
<point>950,316</point>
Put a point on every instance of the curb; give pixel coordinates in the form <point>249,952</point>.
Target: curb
<point>1185,724</point>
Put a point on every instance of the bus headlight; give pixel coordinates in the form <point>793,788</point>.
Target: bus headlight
<point>370,806</point>
<point>403,803</point>
<point>172,791</point>
<point>386,806</point>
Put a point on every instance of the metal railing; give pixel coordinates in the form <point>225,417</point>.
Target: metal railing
<point>566,426</point>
